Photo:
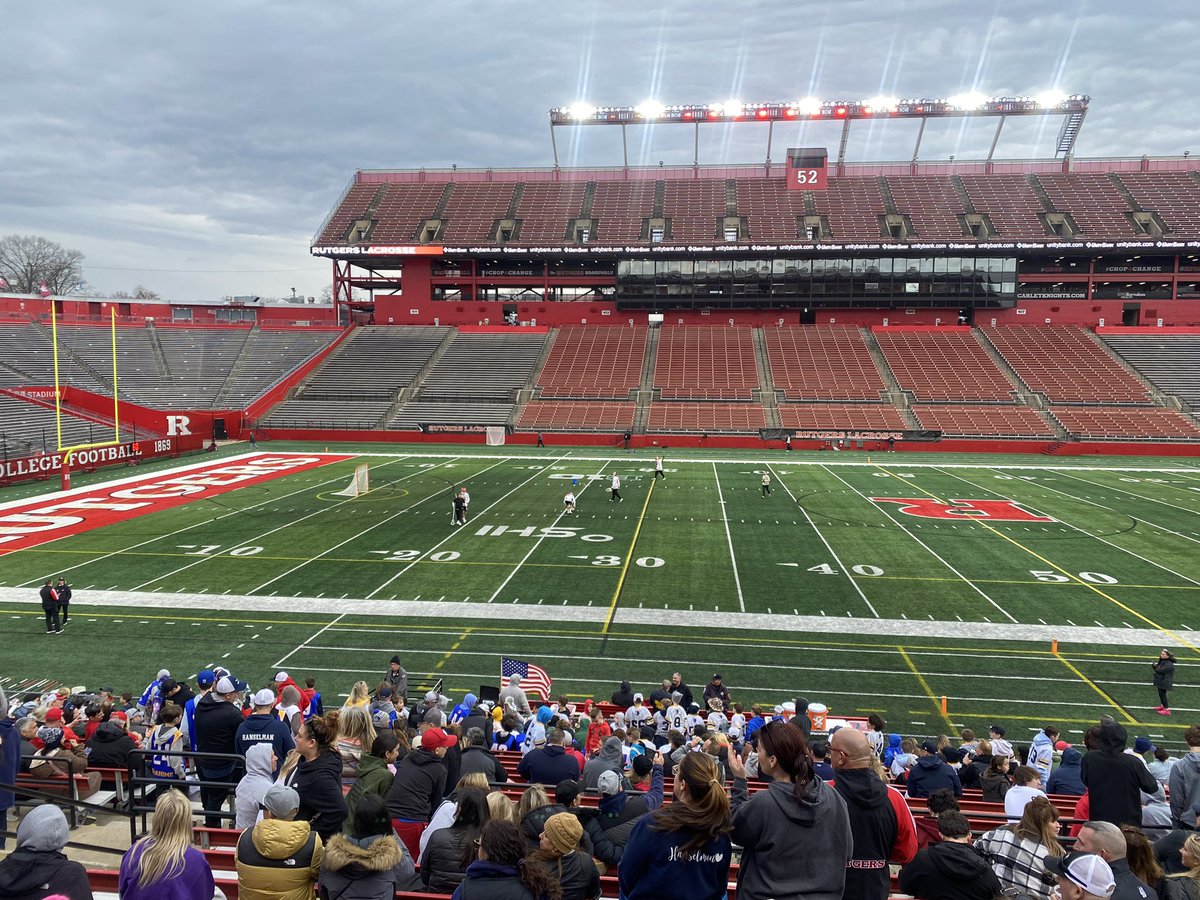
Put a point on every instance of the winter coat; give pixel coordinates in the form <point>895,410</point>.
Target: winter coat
<point>10,760</point>
<point>1041,754</point>
<point>1129,886</point>
<point>883,831</point>
<point>319,784</point>
<point>548,765</point>
<point>608,759</point>
<point>479,718</point>
<point>216,724</point>
<point>278,860</point>
<point>1178,889</point>
<point>578,875</point>
<point>480,759</point>
<point>1164,674</point>
<point>111,747</point>
<point>33,874</point>
<point>370,868</point>
<point>792,847</point>
<point>253,785</point>
<point>619,812</point>
<point>949,871</point>
<point>1065,777</point>
<point>713,691</point>
<point>195,882</point>
<point>1018,862</point>
<point>970,775</point>
<point>264,728</point>
<point>1115,779</point>
<point>654,866</point>
<point>1184,785</point>
<point>374,777</point>
<point>932,773</point>
<point>995,785</point>
<point>686,691</point>
<point>516,693</point>
<point>442,864</point>
<point>623,697</point>
<point>489,881</point>
<point>417,788</point>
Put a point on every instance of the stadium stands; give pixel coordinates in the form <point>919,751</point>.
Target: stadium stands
<point>1175,196</point>
<point>1066,364</point>
<point>696,363</point>
<point>619,208</point>
<point>403,209</point>
<point>707,418</point>
<point>353,206</point>
<point>943,366</point>
<point>771,210</point>
<point>840,416</point>
<point>547,208</point>
<point>27,428</point>
<point>853,207</point>
<point>374,363</point>
<point>1168,361</point>
<point>694,208</point>
<point>491,367</point>
<point>822,362</point>
<point>1093,202</point>
<point>931,204</point>
<point>983,421</point>
<point>1010,204</point>
<point>544,415</point>
<point>1125,423</point>
<point>587,361</point>
<point>473,210</point>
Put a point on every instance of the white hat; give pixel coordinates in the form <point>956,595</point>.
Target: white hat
<point>637,697</point>
<point>281,677</point>
<point>230,685</point>
<point>265,697</point>
<point>1084,870</point>
<point>162,673</point>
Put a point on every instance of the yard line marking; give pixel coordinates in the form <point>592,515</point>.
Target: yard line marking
<point>616,598</point>
<point>453,533</point>
<point>352,538</point>
<point>1138,518</point>
<point>931,551</point>
<point>729,538</point>
<point>538,542</point>
<point>186,528</point>
<point>258,537</point>
<point>280,662</point>
<point>924,686</point>
<point>1077,579</point>
<point>845,571</point>
<point>1128,718</point>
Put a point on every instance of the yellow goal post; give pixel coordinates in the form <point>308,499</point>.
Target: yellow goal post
<point>68,452</point>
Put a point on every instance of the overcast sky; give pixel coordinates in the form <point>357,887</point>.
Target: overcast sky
<point>195,148</point>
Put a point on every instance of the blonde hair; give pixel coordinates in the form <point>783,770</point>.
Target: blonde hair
<point>355,725</point>
<point>501,808</point>
<point>170,836</point>
<point>534,798</point>
<point>1192,845</point>
<point>475,780</point>
<point>360,695</point>
<point>289,763</point>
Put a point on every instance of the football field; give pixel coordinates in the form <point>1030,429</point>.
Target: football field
<point>879,582</point>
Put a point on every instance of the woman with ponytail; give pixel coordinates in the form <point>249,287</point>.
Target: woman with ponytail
<point>317,777</point>
<point>503,870</point>
<point>795,836</point>
<point>683,849</point>
<point>164,865</point>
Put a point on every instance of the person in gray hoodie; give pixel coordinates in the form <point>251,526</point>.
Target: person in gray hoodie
<point>795,836</point>
<point>260,768</point>
<point>38,867</point>
<point>609,759</point>
<point>1184,781</point>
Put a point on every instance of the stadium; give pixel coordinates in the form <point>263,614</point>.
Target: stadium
<point>909,440</point>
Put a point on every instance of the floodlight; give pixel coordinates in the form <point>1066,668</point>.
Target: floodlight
<point>650,109</point>
<point>809,106</point>
<point>1050,98</point>
<point>840,111</point>
<point>969,100</point>
<point>881,103</point>
<point>731,107</point>
<point>581,110</point>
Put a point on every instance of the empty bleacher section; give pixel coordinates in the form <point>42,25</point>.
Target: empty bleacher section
<point>402,210</point>
<point>28,359</point>
<point>944,366</point>
<point>822,362</point>
<point>770,209</point>
<point>932,206</point>
<point>1066,364</point>
<point>853,207</point>
<point>27,428</point>
<point>1125,423</point>
<point>1175,196</point>
<point>475,382</point>
<point>547,208</point>
<point>473,210</point>
<point>596,415</point>
<point>352,207</point>
<point>589,361</point>
<point>1093,202</point>
<point>694,208</point>
<point>697,363</point>
<point>270,354</point>
<point>1010,204</point>
<point>841,416</point>
<point>199,361</point>
<point>619,207</point>
<point>1170,362</point>
<point>357,385</point>
<point>706,418</point>
<point>983,421</point>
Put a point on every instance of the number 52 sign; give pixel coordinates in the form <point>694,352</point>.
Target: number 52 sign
<point>807,178</point>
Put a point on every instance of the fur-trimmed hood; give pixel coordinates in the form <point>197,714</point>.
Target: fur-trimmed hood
<point>378,853</point>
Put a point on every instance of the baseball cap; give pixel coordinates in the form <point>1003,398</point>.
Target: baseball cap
<point>265,697</point>
<point>281,677</point>
<point>1142,745</point>
<point>929,745</point>
<point>167,685</point>
<point>717,677</point>
<point>609,783</point>
<point>381,718</point>
<point>281,801</point>
<point>431,697</point>
<point>206,678</point>
<point>230,685</point>
<point>54,714</point>
<point>637,697</point>
<point>1084,870</point>
<point>1062,745</point>
<point>435,737</point>
<point>385,692</point>
<point>996,729</point>
<point>162,673</point>
<point>119,715</point>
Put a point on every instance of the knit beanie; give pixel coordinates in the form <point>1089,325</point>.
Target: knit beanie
<point>50,737</point>
<point>564,832</point>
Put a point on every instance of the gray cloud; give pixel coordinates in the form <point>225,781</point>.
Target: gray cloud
<point>211,137</point>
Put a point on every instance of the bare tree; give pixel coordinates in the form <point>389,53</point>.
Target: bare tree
<point>26,260</point>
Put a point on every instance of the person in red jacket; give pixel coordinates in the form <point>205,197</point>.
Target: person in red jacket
<point>880,821</point>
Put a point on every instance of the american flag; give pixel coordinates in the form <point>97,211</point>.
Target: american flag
<point>533,678</point>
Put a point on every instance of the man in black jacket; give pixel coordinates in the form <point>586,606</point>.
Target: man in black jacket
<point>550,764</point>
<point>218,715</point>
<point>480,718</point>
<point>1108,842</point>
<point>50,608</point>
<point>677,686</point>
<point>1115,779</point>
<point>951,870</point>
<point>477,758</point>
<point>64,599</point>
<point>418,787</point>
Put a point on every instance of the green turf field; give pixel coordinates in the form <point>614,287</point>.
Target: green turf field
<point>816,589</point>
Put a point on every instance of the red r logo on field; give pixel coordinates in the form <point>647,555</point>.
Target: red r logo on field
<point>992,510</point>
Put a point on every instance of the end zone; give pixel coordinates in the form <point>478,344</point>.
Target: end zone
<point>29,523</point>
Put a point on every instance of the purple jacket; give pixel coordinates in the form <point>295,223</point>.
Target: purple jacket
<point>195,882</point>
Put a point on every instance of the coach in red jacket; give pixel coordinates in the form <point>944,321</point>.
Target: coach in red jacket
<point>880,822</point>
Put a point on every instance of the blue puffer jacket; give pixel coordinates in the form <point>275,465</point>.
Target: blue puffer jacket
<point>1065,778</point>
<point>932,773</point>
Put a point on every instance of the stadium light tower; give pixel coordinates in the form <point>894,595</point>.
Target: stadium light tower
<point>1073,107</point>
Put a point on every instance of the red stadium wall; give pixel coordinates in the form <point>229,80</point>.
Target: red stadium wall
<point>173,422</point>
<point>135,312</point>
<point>1090,312</point>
